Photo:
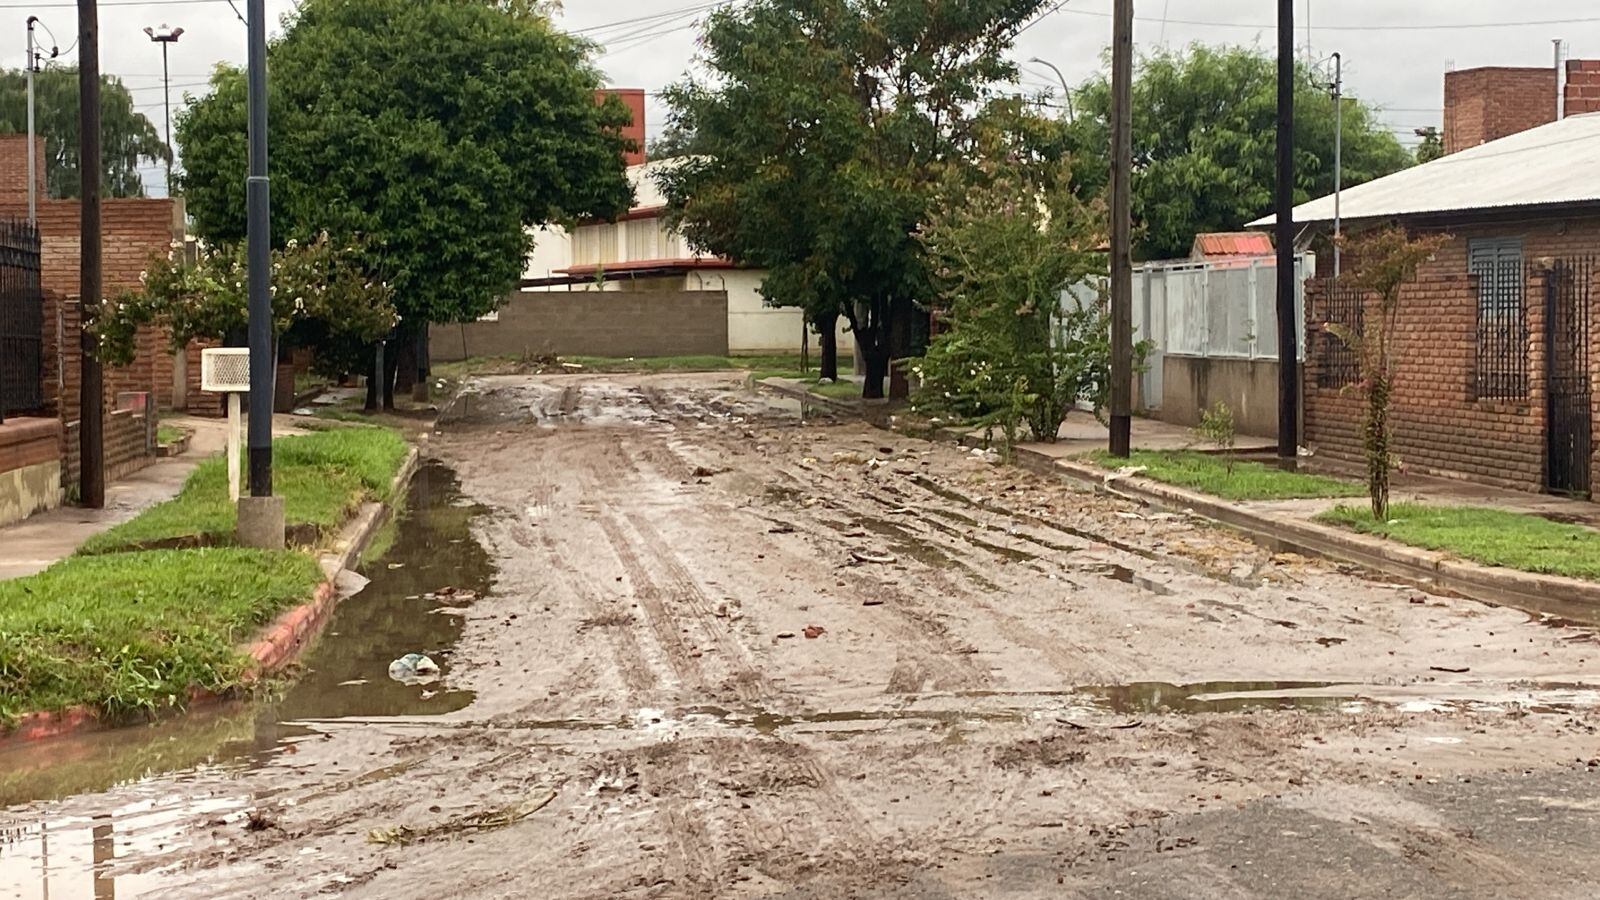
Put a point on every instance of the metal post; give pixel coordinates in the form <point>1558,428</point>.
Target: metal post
<point>30,64</point>
<point>1065,90</point>
<point>1121,229</point>
<point>1338,154</point>
<point>166,105</point>
<point>1288,355</point>
<point>91,390</point>
<point>1561,94</point>
<point>259,260</point>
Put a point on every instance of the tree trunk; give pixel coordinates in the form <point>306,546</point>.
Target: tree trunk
<point>828,337</point>
<point>391,365</point>
<point>371,405</point>
<point>900,346</point>
<point>404,350</point>
<point>875,352</point>
<point>419,391</point>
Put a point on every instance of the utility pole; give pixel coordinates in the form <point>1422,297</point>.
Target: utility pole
<point>166,37</point>
<point>91,401</point>
<point>1288,337</point>
<point>30,63</point>
<point>1121,229</point>
<point>260,522</point>
<point>1338,154</point>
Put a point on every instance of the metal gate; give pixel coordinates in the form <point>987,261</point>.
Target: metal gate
<point>21,319</point>
<point>1569,424</point>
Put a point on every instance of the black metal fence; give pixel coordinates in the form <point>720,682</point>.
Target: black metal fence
<point>21,319</point>
<point>1569,323</point>
<point>1338,364</point>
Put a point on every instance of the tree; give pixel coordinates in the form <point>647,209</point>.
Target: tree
<point>127,137</point>
<point>438,131</point>
<point>821,131</point>
<point>323,293</point>
<point>1386,260</point>
<point>1432,146</point>
<point>1203,147</point>
<point>1003,250</point>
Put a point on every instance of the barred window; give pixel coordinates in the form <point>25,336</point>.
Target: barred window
<point>1502,364</point>
<point>1340,364</point>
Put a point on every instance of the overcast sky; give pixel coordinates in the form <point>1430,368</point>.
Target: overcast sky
<point>1395,52</point>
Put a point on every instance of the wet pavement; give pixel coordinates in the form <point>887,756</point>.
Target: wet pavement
<point>145,769</point>
<point>725,646</point>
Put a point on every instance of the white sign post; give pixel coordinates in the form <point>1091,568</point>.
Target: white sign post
<point>226,370</point>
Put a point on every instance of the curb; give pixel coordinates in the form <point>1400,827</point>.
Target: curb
<point>849,407</point>
<point>280,642</point>
<point>1429,569</point>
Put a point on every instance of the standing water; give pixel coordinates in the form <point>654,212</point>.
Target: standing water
<point>57,849</point>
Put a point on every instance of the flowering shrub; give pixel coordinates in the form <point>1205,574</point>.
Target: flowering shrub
<point>319,287</point>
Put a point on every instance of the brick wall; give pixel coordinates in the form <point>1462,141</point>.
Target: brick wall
<point>594,323</point>
<point>1583,86</point>
<point>14,167</point>
<point>1481,105</point>
<point>1440,426</point>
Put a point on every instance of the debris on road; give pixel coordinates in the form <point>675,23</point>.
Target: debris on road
<point>812,632</point>
<point>414,668</point>
<point>868,556</point>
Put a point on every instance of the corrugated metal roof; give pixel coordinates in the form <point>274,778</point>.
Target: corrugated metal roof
<point>1552,164</point>
<point>1231,243</point>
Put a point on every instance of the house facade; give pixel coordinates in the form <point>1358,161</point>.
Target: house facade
<point>1498,337</point>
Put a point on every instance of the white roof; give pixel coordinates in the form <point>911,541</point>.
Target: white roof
<point>1556,163</point>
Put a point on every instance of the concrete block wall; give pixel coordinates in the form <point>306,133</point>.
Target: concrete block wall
<point>594,323</point>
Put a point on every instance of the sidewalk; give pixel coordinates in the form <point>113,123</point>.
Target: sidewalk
<point>36,542</point>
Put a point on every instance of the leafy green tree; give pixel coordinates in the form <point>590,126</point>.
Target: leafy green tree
<point>821,131</point>
<point>1004,247</point>
<point>440,131</point>
<point>1204,120</point>
<point>322,290</point>
<point>127,137</point>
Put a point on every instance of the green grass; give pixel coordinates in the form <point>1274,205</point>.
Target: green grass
<point>1209,474</point>
<point>167,434</point>
<point>323,477</point>
<point>1493,537</point>
<point>129,635</point>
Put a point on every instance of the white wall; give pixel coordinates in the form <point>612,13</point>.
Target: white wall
<point>754,327</point>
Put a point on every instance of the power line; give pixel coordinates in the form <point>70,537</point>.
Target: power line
<point>56,4</point>
<point>1585,20</point>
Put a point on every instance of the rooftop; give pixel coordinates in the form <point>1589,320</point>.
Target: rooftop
<point>1553,165</point>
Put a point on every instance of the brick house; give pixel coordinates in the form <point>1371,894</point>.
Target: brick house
<point>39,447</point>
<point>1499,336</point>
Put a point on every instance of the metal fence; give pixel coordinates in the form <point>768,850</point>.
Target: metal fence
<point>21,319</point>
<point>1569,329</point>
<point>1210,309</point>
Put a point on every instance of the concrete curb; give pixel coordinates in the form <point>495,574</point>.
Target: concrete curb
<point>846,407</point>
<point>280,642</point>
<point>1527,591</point>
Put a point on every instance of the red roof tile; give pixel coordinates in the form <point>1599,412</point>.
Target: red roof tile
<point>1232,243</point>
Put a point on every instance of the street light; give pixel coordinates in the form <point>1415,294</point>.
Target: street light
<point>165,37</point>
<point>1065,91</point>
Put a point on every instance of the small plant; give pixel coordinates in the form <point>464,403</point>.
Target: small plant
<point>1388,260</point>
<point>1216,428</point>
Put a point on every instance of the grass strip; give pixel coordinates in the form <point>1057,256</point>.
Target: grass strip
<point>1244,480</point>
<point>1494,537</point>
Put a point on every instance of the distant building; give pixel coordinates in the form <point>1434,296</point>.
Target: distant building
<point>1224,246</point>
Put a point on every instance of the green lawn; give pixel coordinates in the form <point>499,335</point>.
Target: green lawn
<point>130,634</point>
<point>1493,537</point>
<point>323,477</point>
<point>1209,474</point>
<point>167,434</point>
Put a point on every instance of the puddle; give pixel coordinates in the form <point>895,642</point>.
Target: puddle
<point>1212,696</point>
<point>433,547</point>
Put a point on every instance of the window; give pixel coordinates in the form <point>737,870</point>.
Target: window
<point>1502,364</point>
<point>1339,363</point>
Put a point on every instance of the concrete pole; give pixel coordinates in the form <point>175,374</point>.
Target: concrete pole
<point>260,521</point>
<point>1288,340</point>
<point>29,65</point>
<point>1122,229</point>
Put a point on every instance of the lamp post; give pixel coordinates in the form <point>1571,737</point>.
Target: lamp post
<point>1065,91</point>
<point>166,37</point>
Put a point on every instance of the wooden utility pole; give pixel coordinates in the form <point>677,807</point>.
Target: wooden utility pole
<point>1121,228</point>
<point>1288,330</point>
<point>91,401</point>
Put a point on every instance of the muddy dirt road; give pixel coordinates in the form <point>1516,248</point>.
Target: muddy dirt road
<point>725,652</point>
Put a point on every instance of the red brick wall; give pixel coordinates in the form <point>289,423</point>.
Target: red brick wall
<point>1492,102</point>
<point>1440,426</point>
<point>1583,86</point>
<point>14,168</point>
